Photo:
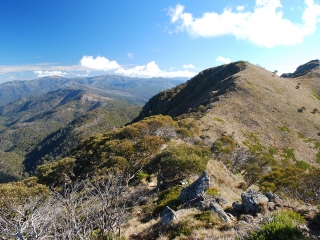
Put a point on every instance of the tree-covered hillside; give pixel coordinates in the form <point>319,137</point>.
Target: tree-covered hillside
<point>42,128</point>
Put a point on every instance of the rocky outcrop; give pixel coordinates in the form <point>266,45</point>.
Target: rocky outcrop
<point>252,201</point>
<point>196,190</point>
<point>194,195</point>
<point>221,213</point>
<point>303,69</point>
<point>168,216</point>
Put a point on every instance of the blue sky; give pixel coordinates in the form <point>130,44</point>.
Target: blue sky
<point>145,38</point>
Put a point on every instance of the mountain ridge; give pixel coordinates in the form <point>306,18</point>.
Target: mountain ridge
<point>138,90</point>
<point>248,100</point>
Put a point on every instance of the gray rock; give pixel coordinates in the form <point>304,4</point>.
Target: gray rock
<point>247,218</point>
<point>218,209</point>
<point>272,196</point>
<point>168,216</point>
<point>196,189</point>
<point>237,206</point>
<point>271,206</point>
<point>221,200</point>
<point>251,199</point>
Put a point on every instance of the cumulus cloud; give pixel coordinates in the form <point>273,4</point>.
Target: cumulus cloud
<point>223,60</point>
<point>152,70</point>
<point>130,55</point>
<point>264,26</point>
<point>188,66</point>
<point>98,63</point>
<point>40,73</point>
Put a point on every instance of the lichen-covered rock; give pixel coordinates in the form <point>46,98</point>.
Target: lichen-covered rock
<point>252,200</point>
<point>196,189</point>
<point>168,216</point>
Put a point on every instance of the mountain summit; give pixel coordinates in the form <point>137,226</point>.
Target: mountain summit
<point>242,99</point>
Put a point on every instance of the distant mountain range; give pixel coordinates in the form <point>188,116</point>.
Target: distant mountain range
<point>135,90</point>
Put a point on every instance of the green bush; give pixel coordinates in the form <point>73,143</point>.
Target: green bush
<point>282,225</point>
<point>303,165</point>
<point>142,175</point>
<point>182,229</point>
<point>177,162</point>
<point>170,198</point>
<point>184,132</point>
<point>208,217</point>
<point>224,145</point>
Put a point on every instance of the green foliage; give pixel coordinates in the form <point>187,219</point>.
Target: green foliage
<point>213,192</point>
<point>183,229</point>
<point>11,168</point>
<point>208,217</point>
<point>170,198</point>
<point>184,132</point>
<point>142,175</point>
<point>254,169</point>
<point>56,173</point>
<point>272,151</point>
<point>302,164</point>
<point>179,161</point>
<point>316,96</point>
<point>288,153</point>
<point>124,151</point>
<point>253,143</point>
<point>218,119</point>
<point>224,145</point>
<point>318,157</point>
<point>284,129</point>
<point>17,192</point>
<point>282,226</point>
<point>189,124</point>
<point>301,135</point>
<point>283,179</point>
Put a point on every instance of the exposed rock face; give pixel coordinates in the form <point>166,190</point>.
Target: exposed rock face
<point>196,189</point>
<point>302,69</point>
<point>168,215</point>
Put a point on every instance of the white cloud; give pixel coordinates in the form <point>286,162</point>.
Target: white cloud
<point>265,26</point>
<point>240,8</point>
<point>223,60</point>
<point>40,73</point>
<point>130,55</point>
<point>98,63</point>
<point>188,66</point>
<point>152,70</point>
<point>38,67</point>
